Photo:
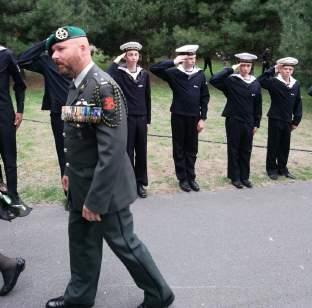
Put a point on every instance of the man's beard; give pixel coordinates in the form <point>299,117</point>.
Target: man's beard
<point>65,70</point>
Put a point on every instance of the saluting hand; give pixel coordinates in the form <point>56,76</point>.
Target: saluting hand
<point>119,58</point>
<point>278,68</point>
<point>89,215</point>
<point>18,119</point>
<point>179,59</point>
<point>235,67</point>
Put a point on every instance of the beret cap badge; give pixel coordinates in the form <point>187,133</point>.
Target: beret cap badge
<point>61,34</point>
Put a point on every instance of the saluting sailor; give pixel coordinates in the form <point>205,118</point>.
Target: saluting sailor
<point>243,111</point>
<point>188,110</point>
<point>284,115</point>
<point>99,179</point>
<point>135,84</point>
<point>10,120</point>
<point>36,59</point>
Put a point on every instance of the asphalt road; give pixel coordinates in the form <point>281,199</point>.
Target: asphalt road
<point>249,248</point>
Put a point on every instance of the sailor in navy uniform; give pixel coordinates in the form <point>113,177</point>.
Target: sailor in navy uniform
<point>36,59</point>
<point>9,119</point>
<point>135,84</point>
<point>188,110</point>
<point>243,111</point>
<point>284,115</point>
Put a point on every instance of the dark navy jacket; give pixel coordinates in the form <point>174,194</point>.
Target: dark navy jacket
<point>190,92</point>
<point>9,68</point>
<point>137,92</point>
<point>55,85</point>
<point>244,100</point>
<point>286,103</point>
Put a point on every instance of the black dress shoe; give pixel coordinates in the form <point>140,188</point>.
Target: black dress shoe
<point>247,183</point>
<point>10,276</point>
<point>141,191</point>
<point>59,302</point>
<point>273,176</point>
<point>166,304</point>
<point>289,175</point>
<point>184,185</point>
<point>237,184</point>
<point>194,185</point>
<point>19,207</point>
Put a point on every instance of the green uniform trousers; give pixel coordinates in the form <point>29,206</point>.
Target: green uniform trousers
<point>85,246</point>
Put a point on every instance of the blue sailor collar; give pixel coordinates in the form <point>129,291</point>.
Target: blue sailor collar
<point>291,83</point>
<point>83,74</point>
<point>251,78</point>
<point>195,70</point>
<point>133,75</point>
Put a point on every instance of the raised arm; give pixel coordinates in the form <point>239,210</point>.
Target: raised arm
<point>160,69</point>
<point>266,78</point>
<point>113,68</point>
<point>218,79</point>
<point>29,58</point>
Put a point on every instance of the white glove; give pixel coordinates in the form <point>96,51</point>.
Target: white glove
<point>235,67</point>
<point>179,59</point>
<point>277,67</point>
<point>118,59</point>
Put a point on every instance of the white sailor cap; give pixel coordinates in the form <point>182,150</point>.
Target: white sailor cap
<point>187,49</point>
<point>131,46</point>
<point>287,61</point>
<point>246,57</point>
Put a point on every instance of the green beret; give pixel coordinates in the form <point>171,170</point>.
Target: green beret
<point>63,34</point>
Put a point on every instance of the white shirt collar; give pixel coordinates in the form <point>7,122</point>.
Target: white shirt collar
<point>134,75</point>
<point>291,83</point>
<point>247,80</point>
<point>82,74</point>
<point>2,47</point>
<point>192,72</point>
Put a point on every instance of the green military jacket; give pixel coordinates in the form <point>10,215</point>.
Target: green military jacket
<point>95,139</point>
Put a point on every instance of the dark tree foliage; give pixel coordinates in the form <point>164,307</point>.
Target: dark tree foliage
<point>226,26</point>
<point>296,36</point>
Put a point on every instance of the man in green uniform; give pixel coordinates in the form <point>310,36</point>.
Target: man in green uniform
<point>99,179</point>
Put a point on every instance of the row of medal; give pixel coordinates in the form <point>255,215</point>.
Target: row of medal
<point>82,114</point>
